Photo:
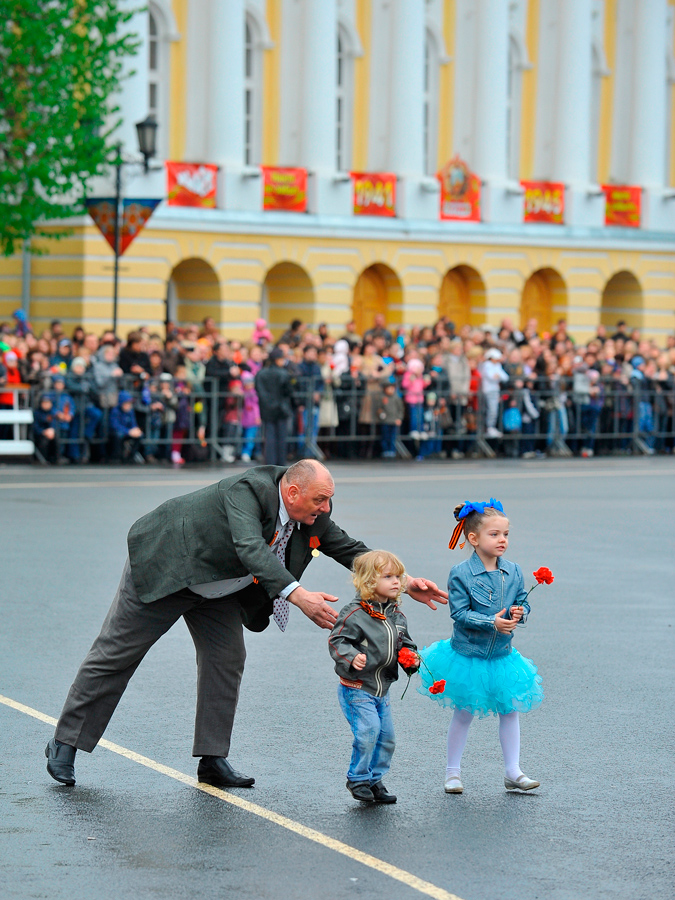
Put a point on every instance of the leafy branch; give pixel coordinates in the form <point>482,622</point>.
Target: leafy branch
<point>60,67</point>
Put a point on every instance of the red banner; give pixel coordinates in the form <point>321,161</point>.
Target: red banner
<point>544,201</point>
<point>460,191</point>
<point>135,213</point>
<point>622,205</point>
<point>191,184</point>
<point>284,189</point>
<point>374,193</point>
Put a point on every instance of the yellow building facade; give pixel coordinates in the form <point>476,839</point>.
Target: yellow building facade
<point>238,261</point>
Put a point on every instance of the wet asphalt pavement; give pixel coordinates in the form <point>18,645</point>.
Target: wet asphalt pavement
<point>600,826</point>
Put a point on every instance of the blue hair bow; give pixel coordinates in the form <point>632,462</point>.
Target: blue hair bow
<point>480,507</point>
<point>470,507</point>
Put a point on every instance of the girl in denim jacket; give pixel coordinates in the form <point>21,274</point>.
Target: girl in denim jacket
<point>484,674</point>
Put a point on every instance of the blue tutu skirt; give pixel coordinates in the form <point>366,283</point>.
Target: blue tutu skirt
<point>482,686</point>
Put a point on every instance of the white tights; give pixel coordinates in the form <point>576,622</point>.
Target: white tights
<point>509,738</point>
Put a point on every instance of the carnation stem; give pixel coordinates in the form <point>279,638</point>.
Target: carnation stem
<point>422,663</point>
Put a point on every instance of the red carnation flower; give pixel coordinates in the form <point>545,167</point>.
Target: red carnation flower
<point>408,658</point>
<point>543,575</point>
<point>437,687</point>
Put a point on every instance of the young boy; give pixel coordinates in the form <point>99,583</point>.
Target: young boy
<point>365,644</point>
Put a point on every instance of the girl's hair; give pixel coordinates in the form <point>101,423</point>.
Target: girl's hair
<point>474,521</point>
<point>367,568</point>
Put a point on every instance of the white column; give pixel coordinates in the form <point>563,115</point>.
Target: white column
<point>319,78</point>
<point>196,81</point>
<point>225,114</point>
<point>407,88</point>
<point>573,114</point>
<point>133,97</point>
<point>649,99</point>
<point>491,90</point>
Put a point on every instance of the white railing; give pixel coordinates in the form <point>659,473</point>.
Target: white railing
<point>20,416</point>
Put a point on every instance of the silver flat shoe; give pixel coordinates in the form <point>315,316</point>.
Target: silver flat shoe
<point>522,783</point>
<point>453,785</point>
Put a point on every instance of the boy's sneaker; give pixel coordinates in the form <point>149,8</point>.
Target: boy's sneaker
<point>360,791</point>
<point>381,794</point>
<point>245,457</point>
<point>457,454</point>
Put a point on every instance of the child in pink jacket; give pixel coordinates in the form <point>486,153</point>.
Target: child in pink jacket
<point>413,384</point>
<point>250,417</point>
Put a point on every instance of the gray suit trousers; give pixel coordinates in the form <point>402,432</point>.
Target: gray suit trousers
<point>129,631</point>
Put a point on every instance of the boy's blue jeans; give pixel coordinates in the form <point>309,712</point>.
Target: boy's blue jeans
<point>373,728</point>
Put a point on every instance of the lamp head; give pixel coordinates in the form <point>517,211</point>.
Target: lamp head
<point>147,139</point>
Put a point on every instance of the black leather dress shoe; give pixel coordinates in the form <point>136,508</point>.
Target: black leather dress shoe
<point>360,791</point>
<point>61,761</point>
<point>381,794</point>
<point>216,770</point>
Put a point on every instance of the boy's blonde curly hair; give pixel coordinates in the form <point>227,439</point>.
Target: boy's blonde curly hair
<point>367,568</point>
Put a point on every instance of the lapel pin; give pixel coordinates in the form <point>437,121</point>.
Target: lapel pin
<point>314,543</point>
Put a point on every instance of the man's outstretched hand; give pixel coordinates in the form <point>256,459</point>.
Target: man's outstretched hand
<point>425,591</point>
<point>314,604</point>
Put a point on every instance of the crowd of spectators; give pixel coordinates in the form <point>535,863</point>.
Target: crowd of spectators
<point>441,391</point>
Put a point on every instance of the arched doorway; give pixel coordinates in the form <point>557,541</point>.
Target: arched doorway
<point>544,299</point>
<point>193,293</point>
<point>287,294</point>
<point>622,300</point>
<point>378,290</point>
<point>462,297</point>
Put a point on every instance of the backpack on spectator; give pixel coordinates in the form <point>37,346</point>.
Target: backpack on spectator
<point>513,420</point>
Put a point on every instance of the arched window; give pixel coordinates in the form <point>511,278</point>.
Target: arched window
<point>431,62</point>
<point>513,98</point>
<point>252,94</point>
<point>153,65</point>
<point>158,78</point>
<point>344,102</point>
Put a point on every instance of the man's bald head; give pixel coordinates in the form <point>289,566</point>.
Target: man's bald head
<point>306,489</point>
<point>307,472</point>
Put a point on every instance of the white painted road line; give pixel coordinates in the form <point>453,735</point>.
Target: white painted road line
<point>464,474</point>
<point>372,862</point>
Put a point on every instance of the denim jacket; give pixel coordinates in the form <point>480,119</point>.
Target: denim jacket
<point>476,596</point>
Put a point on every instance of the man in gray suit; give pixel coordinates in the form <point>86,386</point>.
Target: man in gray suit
<point>227,556</point>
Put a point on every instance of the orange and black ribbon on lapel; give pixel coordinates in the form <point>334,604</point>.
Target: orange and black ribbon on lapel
<point>276,534</point>
<point>371,611</point>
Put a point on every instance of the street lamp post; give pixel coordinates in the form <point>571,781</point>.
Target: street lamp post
<point>147,144</point>
<point>118,229</point>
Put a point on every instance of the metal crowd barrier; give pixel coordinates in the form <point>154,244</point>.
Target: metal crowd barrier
<point>630,420</point>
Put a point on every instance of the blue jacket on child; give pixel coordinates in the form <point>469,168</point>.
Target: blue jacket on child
<point>476,596</point>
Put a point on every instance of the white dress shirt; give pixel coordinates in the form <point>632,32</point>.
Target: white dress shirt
<point>213,589</point>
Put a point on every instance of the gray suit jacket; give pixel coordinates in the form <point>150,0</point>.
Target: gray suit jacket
<point>224,531</point>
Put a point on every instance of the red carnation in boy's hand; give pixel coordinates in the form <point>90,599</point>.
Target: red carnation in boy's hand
<point>543,575</point>
<point>437,687</point>
<point>408,658</point>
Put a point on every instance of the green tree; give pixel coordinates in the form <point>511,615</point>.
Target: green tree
<point>60,66</point>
